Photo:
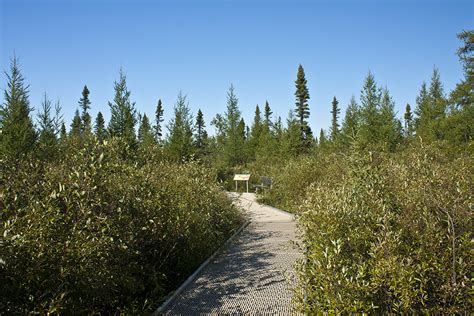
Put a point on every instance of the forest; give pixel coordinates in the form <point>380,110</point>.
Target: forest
<point>110,217</point>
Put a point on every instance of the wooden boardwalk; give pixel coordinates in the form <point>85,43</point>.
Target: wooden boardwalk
<point>253,275</point>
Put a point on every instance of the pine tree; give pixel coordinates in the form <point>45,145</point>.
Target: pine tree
<point>180,140</point>
<point>85,103</point>
<point>17,134</point>
<point>335,116</point>
<point>100,130</point>
<point>76,125</point>
<point>351,123</point>
<point>408,117</point>
<point>123,113</point>
<point>158,121</point>
<point>302,109</point>
<point>145,134</point>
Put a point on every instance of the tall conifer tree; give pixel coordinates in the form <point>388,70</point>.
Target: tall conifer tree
<point>158,121</point>
<point>17,135</point>
<point>84,103</point>
<point>334,122</point>
<point>123,113</point>
<point>302,109</point>
<point>100,130</point>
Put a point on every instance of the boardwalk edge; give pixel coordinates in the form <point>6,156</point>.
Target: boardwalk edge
<point>193,276</point>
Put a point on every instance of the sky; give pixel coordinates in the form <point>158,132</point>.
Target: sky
<point>202,47</point>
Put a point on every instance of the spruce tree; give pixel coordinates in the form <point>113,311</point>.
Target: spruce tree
<point>370,125</point>
<point>17,134</point>
<point>458,127</point>
<point>291,145</point>
<point>390,132</point>
<point>268,115</point>
<point>302,109</point>
<point>123,113</point>
<point>334,122</point>
<point>179,144</point>
<point>201,134</point>
<point>76,126</point>
<point>100,130</point>
<point>145,134</point>
<point>49,128</point>
<point>255,133</point>
<point>85,103</point>
<point>234,139</point>
<point>158,121</point>
<point>408,117</point>
<point>322,140</point>
<point>63,133</point>
<point>351,122</point>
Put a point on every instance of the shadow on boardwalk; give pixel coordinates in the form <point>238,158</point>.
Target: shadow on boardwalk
<point>250,276</point>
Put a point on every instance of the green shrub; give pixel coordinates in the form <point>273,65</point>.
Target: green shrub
<point>97,233</point>
<point>382,232</point>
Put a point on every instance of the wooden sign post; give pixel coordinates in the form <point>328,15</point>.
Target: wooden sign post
<point>242,177</point>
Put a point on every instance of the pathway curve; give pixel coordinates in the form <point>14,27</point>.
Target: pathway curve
<point>253,275</point>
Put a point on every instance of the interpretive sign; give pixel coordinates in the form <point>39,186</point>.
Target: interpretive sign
<point>242,177</point>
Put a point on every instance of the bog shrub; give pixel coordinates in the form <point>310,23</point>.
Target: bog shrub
<point>96,233</point>
<point>383,232</point>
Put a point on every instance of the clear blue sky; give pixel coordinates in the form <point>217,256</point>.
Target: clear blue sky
<point>201,47</point>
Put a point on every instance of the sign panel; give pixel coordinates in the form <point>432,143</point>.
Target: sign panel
<point>241,177</point>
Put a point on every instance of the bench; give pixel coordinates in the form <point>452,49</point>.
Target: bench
<point>266,183</point>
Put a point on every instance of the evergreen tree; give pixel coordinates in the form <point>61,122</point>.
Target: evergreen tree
<point>63,133</point>
<point>322,140</point>
<point>17,134</point>
<point>85,103</point>
<point>268,115</point>
<point>180,139</point>
<point>291,145</point>
<point>431,109</point>
<point>76,125</point>
<point>123,113</point>
<point>201,134</point>
<point>463,95</point>
<point>145,134</point>
<point>49,128</point>
<point>369,113</point>
<point>458,126</point>
<point>408,117</point>
<point>100,130</point>
<point>302,109</point>
<point>335,116</point>
<point>234,131</point>
<point>390,131</point>
<point>158,121</point>
<point>255,133</point>
<point>351,123</point>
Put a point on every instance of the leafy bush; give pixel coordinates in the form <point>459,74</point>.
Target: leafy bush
<point>384,233</point>
<point>98,233</point>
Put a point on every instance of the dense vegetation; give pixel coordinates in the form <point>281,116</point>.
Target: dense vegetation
<point>108,217</point>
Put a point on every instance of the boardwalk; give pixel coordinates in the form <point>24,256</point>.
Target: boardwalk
<point>253,275</point>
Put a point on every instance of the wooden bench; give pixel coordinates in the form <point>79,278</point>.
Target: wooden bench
<point>266,183</point>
